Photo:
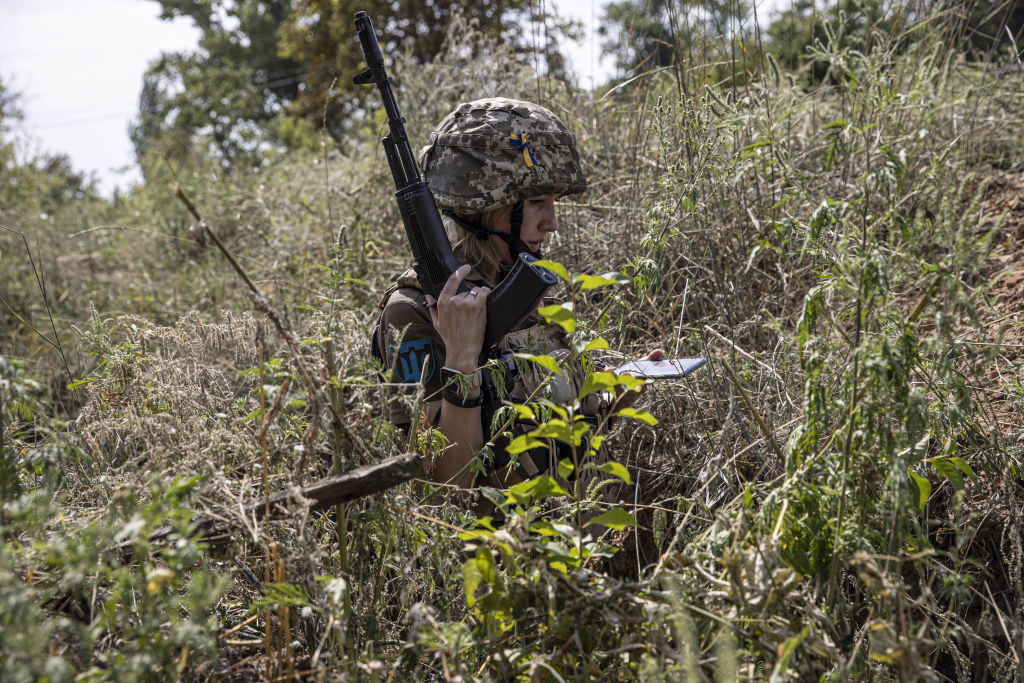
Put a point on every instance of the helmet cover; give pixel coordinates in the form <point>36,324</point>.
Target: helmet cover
<point>496,152</point>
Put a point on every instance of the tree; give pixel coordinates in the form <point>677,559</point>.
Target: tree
<point>265,61</point>
<point>9,113</point>
<point>986,26</point>
<point>230,88</point>
<point>43,184</point>
<point>977,28</point>
<point>321,35</point>
<point>647,34</point>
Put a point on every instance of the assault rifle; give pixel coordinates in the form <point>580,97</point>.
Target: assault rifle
<point>521,290</point>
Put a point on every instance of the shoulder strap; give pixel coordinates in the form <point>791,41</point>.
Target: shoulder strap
<point>406,279</point>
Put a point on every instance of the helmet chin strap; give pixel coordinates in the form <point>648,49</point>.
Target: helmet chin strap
<point>516,245</point>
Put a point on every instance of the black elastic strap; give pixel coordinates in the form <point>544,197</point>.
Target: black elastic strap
<point>515,243</point>
<point>459,401</point>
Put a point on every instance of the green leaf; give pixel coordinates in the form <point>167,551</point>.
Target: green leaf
<point>542,527</point>
<point>524,412</point>
<point>475,534</point>
<point>560,567</point>
<point>948,470</point>
<point>748,497</point>
<point>79,383</point>
<point>581,346</point>
<point>546,362</point>
<point>629,382</point>
<point>757,144</point>
<point>560,314</point>
<point>477,570</point>
<point>635,414</point>
<point>497,499</point>
<point>560,430</point>
<point>924,489</point>
<point>522,443</point>
<point>616,518</point>
<point>964,467</point>
<point>565,468</point>
<point>528,492</point>
<point>785,652</point>
<point>611,467</point>
<point>554,407</point>
<point>598,381</point>
<point>555,267</point>
<point>595,281</point>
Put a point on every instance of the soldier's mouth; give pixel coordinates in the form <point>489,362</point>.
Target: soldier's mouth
<point>534,246</point>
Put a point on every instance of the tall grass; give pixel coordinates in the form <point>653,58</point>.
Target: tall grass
<point>835,495</point>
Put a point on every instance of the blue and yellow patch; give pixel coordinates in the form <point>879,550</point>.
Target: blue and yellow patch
<point>410,359</point>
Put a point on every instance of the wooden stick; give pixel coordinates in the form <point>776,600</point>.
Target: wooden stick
<point>263,304</point>
<point>339,488</point>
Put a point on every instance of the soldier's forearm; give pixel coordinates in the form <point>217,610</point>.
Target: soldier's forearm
<point>462,428</point>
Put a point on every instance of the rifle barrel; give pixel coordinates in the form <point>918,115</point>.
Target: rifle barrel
<point>379,74</point>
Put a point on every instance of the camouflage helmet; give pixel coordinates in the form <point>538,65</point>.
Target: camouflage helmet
<point>494,152</point>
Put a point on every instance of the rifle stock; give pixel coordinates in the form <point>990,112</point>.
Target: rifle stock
<point>521,290</point>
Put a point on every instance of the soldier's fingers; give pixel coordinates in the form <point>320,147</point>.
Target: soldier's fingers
<point>452,286</point>
<point>432,308</point>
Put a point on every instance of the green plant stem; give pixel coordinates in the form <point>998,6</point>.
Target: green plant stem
<point>41,283</point>
<point>762,425</point>
<point>855,376</point>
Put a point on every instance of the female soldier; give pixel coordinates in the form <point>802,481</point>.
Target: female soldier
<point>496,167</point>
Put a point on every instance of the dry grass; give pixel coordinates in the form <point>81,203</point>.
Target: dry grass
<point>784,231</point>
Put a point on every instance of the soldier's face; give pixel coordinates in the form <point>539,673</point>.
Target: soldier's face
<point>539,221</point>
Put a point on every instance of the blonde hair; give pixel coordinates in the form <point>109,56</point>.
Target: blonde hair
<point>481,254</point>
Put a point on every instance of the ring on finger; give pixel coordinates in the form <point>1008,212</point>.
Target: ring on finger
<point>474,291</point>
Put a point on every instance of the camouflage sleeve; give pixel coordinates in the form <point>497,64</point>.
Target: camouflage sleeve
<point>413,354</point>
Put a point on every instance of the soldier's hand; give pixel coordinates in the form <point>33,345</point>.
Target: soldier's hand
<point>460,319</point>
<point>625,399</point>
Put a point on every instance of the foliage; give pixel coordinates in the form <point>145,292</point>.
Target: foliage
<point>73,599</point>
<point>271,72</point>
<point>229,89</point>
<point>986,30</point>
<point>664,33</point>
<point>320,36</point>
<point>41,183</point>
<point>836,494</point>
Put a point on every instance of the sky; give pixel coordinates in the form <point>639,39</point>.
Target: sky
<point>78,68</point>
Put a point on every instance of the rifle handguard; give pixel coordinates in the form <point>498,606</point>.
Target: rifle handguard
<point>515,297</point>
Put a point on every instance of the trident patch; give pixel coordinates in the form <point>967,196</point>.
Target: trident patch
<point>410,359</point>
